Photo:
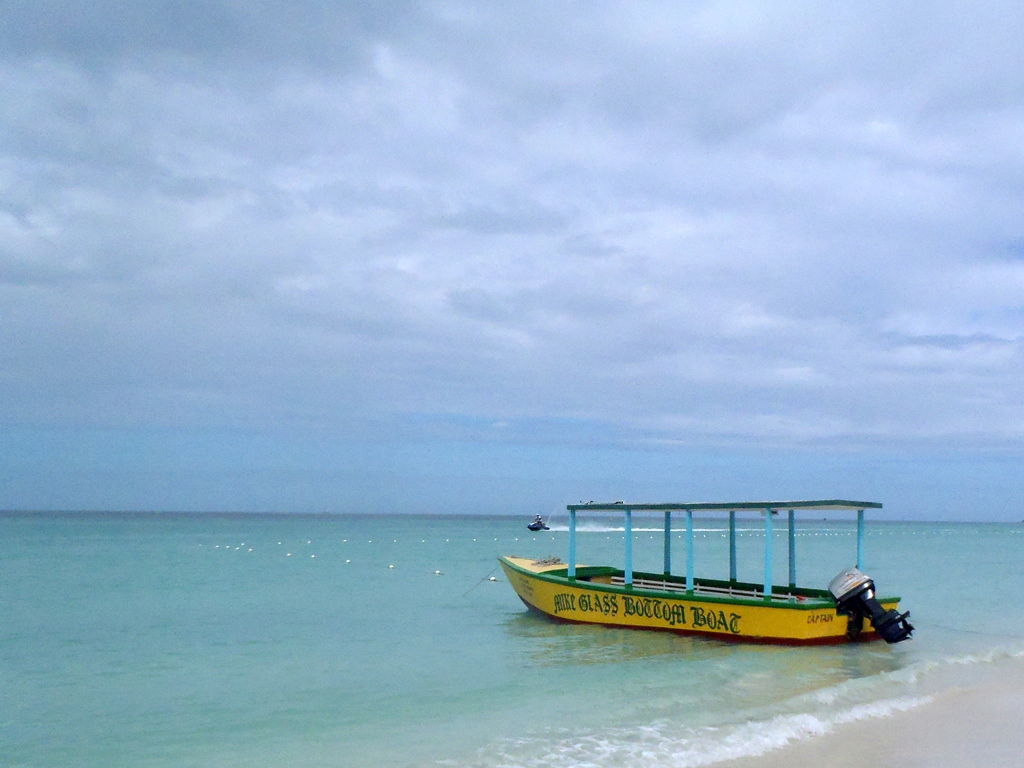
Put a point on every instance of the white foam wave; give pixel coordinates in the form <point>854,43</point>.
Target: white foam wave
<point>660,745</point>
<point>666,744</point>
<point>931,674</point>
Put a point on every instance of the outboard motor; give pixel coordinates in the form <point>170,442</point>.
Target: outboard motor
<point>855,597</point>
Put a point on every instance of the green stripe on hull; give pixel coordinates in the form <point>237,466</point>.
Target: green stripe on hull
<point>816,599</point>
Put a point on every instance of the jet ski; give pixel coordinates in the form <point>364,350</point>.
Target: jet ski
<point>538,525</point>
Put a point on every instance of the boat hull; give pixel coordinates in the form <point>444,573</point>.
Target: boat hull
<point>593,598</point>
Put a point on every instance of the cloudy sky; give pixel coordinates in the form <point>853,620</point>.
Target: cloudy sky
<point>469,257</point>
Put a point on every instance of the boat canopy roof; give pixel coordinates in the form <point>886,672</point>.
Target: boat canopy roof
<point>767,507</point>
<point>708,506</point>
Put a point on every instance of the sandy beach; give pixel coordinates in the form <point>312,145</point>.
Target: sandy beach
<point>974,726</point>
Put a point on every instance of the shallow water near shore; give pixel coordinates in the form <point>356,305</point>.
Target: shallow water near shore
<point>219,640</point>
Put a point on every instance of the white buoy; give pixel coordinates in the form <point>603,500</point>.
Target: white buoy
<point>312,555</point>
<point>391,567</point>
<point>250,549</point>
<point>437,573</point>
<point>494,578</point>
<point>289,554</point>
<point>348,561</point>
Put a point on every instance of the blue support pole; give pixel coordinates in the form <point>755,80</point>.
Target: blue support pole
<point>860,539</point>
<point>767,554</point>
<point>668,542</point>
<point>629,549</point>
<point>792,551</point>
<point>689,550</point>
<point>732,546</point>
<point>572,543</point>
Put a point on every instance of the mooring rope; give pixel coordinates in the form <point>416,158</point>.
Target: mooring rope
<point>481,580</point>
<point>933,625</point>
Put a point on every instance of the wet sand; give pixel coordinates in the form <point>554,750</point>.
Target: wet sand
<point>976,726</point>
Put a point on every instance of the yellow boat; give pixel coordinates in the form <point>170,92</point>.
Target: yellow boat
<point>728,610</point>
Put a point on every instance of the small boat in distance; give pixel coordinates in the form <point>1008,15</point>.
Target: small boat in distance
<point>538,525</point>
<point>847,611</point>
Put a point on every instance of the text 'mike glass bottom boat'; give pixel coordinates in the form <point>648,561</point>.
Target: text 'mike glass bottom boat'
<point>730,610</point>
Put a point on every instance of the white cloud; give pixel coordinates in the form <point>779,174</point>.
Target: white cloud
<point>752,223</point>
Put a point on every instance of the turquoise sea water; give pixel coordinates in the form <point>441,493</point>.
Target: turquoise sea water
<point>217,640</point>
